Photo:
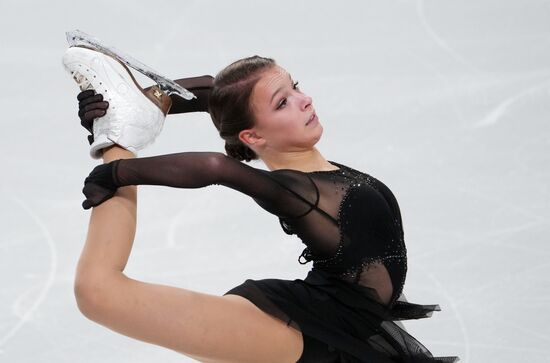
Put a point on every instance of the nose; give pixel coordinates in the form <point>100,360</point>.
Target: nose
<point>306,101</point>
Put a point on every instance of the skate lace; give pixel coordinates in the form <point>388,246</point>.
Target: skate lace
<point>83,82</point>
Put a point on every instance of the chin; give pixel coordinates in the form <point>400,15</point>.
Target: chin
<point>319,133</point>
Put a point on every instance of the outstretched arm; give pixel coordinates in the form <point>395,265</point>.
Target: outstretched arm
<point>286,193</point>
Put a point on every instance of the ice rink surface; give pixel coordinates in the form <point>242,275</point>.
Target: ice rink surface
<point>446,102</point>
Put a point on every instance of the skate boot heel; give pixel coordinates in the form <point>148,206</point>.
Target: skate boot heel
<point>159,98</point>
<point>135,116</point>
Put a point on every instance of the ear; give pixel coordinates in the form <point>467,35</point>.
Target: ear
<point>251,137</point>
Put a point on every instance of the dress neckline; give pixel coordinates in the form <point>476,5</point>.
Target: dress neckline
<point>327,171</point>
<point>340,168</point>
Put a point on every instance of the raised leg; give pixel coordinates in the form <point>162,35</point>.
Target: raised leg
<point>205,327</point>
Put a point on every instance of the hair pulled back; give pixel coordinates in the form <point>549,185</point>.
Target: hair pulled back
<point>229,102</point>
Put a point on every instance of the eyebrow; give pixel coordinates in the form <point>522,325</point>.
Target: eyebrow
<point>280,88</point>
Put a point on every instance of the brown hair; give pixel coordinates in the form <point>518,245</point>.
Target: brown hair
<point>229,102</point>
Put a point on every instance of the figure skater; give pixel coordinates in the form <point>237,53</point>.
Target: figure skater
<point>347,307</point>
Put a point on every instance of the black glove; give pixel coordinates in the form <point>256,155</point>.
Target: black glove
<point>101,184</point>
<point>90,107</point>
<point>200,86</point>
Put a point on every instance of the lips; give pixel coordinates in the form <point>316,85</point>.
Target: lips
<point>311,118</point>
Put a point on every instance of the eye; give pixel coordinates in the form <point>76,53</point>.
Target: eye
<point>283,102</point>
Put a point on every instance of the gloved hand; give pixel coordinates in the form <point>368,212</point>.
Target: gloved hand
<point>201,86</point>
<point>101,184</point>
<point>90,107</point>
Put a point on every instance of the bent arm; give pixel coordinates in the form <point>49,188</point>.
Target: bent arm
<point>284,194</point>
<point>201,87</point>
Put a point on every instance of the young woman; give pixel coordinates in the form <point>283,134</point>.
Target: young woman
<point>347,307</point>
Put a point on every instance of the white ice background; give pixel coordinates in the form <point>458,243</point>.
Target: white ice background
<point>447,102</point>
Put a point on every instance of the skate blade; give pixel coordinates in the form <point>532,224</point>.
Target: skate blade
<point>77,38</point>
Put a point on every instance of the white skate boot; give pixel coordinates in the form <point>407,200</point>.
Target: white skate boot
<point>77,38</point>
<point>135,117</point>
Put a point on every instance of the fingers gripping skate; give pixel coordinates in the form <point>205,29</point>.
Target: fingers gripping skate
<point>135,116</point>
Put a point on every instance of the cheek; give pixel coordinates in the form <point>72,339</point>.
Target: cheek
<point>283,127</point>
<point>280,124</point>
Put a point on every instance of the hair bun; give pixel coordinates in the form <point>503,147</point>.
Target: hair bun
<point>239,151</point>
<point>229,102</point>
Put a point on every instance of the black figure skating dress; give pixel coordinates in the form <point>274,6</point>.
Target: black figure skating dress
<point>351,225</point>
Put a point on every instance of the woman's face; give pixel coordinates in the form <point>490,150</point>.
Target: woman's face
<point>282,113</point>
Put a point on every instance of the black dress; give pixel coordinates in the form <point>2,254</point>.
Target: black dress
<point>351,225</point>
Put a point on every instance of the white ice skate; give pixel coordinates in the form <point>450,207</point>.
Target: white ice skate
<point>77,38</point>
<point>135,117</point>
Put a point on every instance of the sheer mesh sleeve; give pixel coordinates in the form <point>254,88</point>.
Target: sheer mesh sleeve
<point>308,206</point>
<point>289,194</point>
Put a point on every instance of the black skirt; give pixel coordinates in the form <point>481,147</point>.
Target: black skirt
<point>341,321</point>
